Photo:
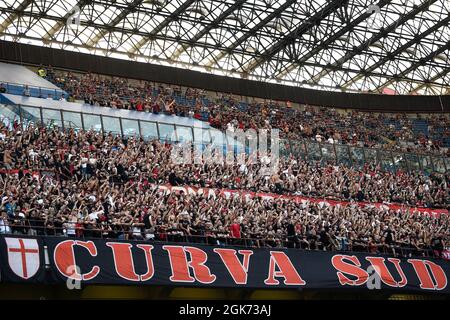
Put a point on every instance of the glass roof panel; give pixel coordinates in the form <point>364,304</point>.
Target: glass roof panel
<point>351,44</point>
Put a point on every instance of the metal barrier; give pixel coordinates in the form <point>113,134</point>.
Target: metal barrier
<point>33,91</point>
<point>213,238</point>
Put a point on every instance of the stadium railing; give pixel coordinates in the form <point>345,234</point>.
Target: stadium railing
<point>30,227</point>
<point>34,91</point>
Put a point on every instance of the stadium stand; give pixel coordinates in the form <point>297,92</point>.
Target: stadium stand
<point>87,183</point>
<point>19,80</point>
<point>125,158</point>
<point>389,131</point>
<point>355,128</point>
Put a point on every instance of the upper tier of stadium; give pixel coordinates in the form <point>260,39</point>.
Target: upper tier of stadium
<point>425,133</point>
<point>397,142</point>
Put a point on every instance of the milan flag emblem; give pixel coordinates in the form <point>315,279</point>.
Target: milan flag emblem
<point>23,256</point>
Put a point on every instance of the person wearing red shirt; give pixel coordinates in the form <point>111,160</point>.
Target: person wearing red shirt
<point>139,106</point>
<point>235,229</point>
<point>155,107</point>
<point>79,228</point>
<point>155,172</point>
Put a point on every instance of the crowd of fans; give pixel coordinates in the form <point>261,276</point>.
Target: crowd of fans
<point>95,184</point>
<point>79,183</point>
<point>317,124</point>
<point>91,154</point>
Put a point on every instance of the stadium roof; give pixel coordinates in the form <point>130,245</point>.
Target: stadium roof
<point>353,45</point>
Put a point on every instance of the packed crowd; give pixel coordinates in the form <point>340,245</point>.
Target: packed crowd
<point>317,124</point>
<point>93,154</point>
<point>93,184</point>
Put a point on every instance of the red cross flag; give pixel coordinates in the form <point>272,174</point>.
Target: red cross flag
<point>23,256</point>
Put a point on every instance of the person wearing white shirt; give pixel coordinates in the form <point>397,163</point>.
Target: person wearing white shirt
<point>136,229</point>
<point>70,226</point>
<point>318,138</point>
<point>4,226</point>
<point>243,168</point>
<point>26,91</point>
